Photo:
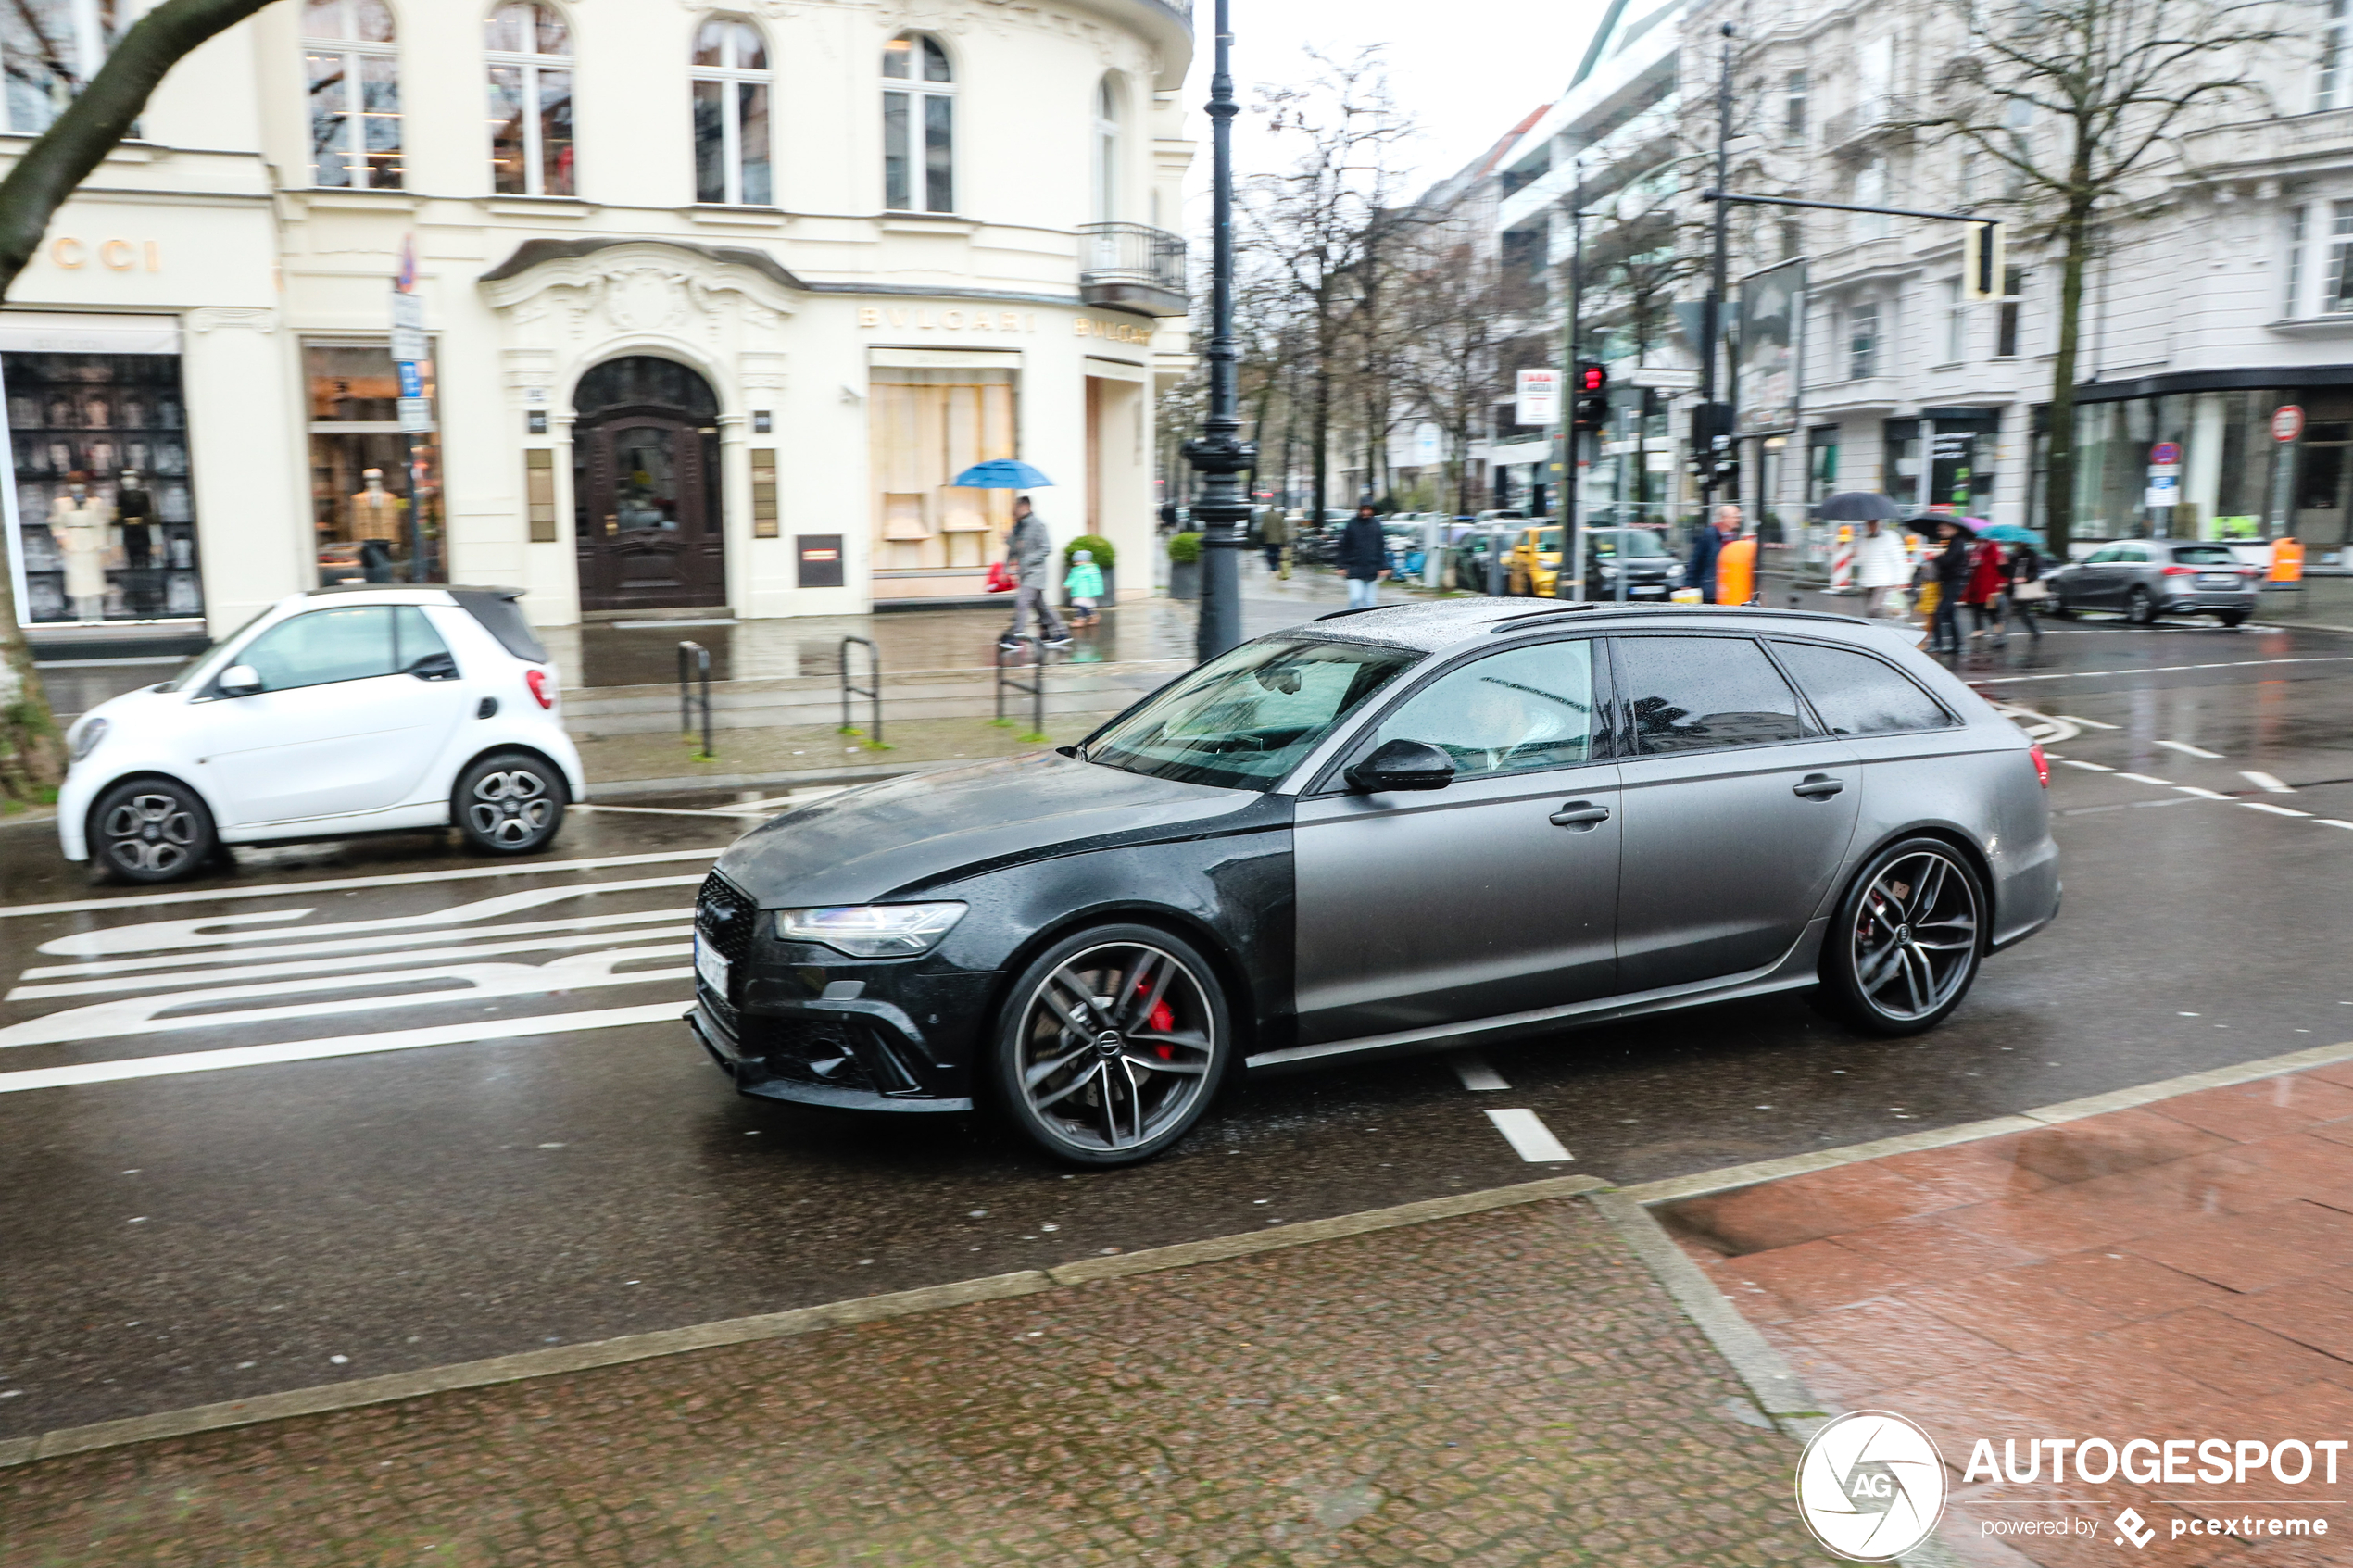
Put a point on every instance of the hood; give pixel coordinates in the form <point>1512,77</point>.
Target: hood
<point>900,835</point>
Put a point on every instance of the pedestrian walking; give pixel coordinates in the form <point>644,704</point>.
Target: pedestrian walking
<point>1950,567</point>
<point>1881,567</point>
<point>1272,536</point>
<point>1084,585</point>
<point>1988,581</point>
<point>2027,591</point>
<point>1707,545</point>
<point>1362,558</point>
<point>1029,551</point>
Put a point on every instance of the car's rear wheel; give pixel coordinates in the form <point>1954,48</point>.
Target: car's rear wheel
<point>2231,617</point>
<point>508,803</point>
<point>1111,1045</point>
<point>1905,944</point>
<point>2139,609</point>
<point>151,830</point>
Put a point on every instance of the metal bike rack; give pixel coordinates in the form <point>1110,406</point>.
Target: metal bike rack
<point>1034,685</point>
<point>693,660</point>
<point>872,690</point>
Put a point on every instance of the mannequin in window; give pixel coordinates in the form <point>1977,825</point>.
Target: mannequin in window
<point>134,515</point>
<point>80,522</point>
<point>375,520</point>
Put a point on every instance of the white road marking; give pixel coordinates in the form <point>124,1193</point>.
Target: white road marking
<point>366,964</point>
<point>388,948</point>
<point>462,982</point>
<point>543,1024</point>
<point>2266,781</point>
<point>2275,810</point>
<point>2201,794</point>
<point>2088,723</point>
<point>527,867</point>
<point>798,797</point>
<point>2094,767</point>
<point>1476,1075</point>
<point>2331,822</point>
<point>1530,1139</point>
<point>2186,749</point>
<point>2143,778</point>
<point>201,932</point>
<point>2163,670</point>
<point>704,812</point>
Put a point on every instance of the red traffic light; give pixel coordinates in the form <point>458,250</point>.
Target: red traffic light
<point>1592,378</point>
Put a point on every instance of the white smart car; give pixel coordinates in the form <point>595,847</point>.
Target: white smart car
<point>364,708</point>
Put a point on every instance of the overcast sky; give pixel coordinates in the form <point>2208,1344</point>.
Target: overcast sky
<point>1466,69</point>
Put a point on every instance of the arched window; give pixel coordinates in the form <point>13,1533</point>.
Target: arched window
<point>1106,151</point>
<point>731,115</point>
<point>919,126</point>
<point>355,94</point>
<point>530,54</point>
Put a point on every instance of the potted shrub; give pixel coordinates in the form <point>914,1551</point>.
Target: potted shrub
<point>1105,555</point>
<point>1184,566</point>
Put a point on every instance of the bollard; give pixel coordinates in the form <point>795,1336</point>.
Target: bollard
<point>1034,685</point>
<point>872,692</point>
<point>694,660</point>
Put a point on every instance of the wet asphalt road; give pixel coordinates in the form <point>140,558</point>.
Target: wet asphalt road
<point>548,1158</point>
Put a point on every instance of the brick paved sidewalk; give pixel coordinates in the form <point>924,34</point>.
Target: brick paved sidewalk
<point>2184,1270</point>
<point>1508,1387</point>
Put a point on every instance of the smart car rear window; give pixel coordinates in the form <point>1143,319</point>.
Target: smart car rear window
<point>503,618</point>
<point>2205,554</point>
<point>1856,694</point>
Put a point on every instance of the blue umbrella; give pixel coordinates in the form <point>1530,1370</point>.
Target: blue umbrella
<point>1002,473</point>
<point>2011,534</point>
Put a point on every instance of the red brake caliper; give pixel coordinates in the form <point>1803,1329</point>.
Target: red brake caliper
<point>1161,1020</point>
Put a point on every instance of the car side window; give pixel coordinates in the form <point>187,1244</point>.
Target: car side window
<point>322,646</point>
<point>1704,694</point>
<point>1508,712</point>
<point>1856,694</point>
<point>2098,557</point>
<point>413,637</point>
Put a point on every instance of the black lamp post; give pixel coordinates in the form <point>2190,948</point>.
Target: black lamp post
<point>1219,454</point>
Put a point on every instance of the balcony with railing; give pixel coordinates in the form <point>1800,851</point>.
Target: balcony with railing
<point>1134,266</point>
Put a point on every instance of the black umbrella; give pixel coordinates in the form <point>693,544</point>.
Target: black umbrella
<point>1858,505</point>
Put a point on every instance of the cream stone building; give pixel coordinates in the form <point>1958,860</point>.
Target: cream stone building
<point>713,303</point>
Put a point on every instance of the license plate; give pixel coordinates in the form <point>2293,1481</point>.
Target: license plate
<point>710,969</point>
<point>1646,592</point>
<point>2218,579</point>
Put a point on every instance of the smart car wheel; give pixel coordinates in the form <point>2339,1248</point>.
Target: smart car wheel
<point>1905,944</point>
<point>1111,1045</point>
<point>508,803</point>
<point>2139,609</point>
<point>151,830</point>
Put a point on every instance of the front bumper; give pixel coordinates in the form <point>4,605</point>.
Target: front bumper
<point>2240,600</point>
<point>794,1071</point>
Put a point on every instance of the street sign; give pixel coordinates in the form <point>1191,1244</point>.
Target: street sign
<point>1539,397</point>
<point>2287,422</point>
<point>408,327</point>
<point>412,381</point>
<point>416,415</point>
<point>2165,490</point>
<point>2165,454</point>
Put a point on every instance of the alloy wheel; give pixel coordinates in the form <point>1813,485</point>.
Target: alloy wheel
<point>510,807</point>
<point>2139,609</point>
<point>151,835</point>
<point>1915,938</point>
<point>1116,1045</point>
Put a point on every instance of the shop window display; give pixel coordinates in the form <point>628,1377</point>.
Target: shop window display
<point>927,426</point>
<point>376,513</point>
<point>105,529</point>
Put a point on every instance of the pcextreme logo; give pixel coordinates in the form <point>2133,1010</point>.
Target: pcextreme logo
<point>1871,1486</point>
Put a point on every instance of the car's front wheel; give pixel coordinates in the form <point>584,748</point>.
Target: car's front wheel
<point>1905,944</point>
<point>151,830</point>
<point>1111,1045</point>
<point>508,803</point>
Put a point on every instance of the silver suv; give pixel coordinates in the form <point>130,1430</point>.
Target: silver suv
<point>2146,578</point>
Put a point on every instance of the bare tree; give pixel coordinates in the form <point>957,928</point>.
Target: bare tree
<point>2082,101</point>
<point>101,112</point>
<point>1457,316</point>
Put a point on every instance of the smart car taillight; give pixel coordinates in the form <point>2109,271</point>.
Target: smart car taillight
<point>2181,571</point>
<point>542,689</point>
<point>2042,765</point>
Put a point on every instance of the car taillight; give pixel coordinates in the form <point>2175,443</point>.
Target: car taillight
<point>542,688</point>
<point>2042,765</point>
<point>2181,571</point>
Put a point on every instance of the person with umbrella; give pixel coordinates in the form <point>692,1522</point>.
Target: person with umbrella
<point>1951,569</point>
<point>1880,563</point>
<point>2022,587</point>
<point>1029,549</point>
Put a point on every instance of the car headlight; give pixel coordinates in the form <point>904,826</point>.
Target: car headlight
<point>1609,569</point>
<point>86,736</point>
<point>871,930</point>
<point>1674,572</point>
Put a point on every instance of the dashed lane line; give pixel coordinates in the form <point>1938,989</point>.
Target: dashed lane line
<point>2088,766</point>
<point>2271,782</point>
<point>2188,750</point>
<point>2162,670</point>
<point>2275,810</point>
<point>1477,1076</point>
<point>2143,778</point>
<point>1530,1139</point>
<point>2087,723</point>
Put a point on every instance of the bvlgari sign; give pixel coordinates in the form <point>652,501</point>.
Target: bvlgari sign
<point>930,318</point>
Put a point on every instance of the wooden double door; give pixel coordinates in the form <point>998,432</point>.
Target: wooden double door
<point>647,524</point>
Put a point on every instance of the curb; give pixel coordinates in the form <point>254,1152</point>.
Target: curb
<point>327,1398</point>
<point>691,782</point>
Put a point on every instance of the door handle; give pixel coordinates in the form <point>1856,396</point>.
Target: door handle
<point>1583,815</point>
<point>1817,786</point>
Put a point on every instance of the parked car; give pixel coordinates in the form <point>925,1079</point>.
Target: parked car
<point>1397,830</point>
<point>2146,578</point>
<point>1531,562</point>
<point>345,711</point>
<point>1637,555</point>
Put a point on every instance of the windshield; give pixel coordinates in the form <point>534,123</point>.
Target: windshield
<point>1548,539</point>
<point>2206,555</point>
<point>1243,721</point>
<point>193,671</point>
<point>1635,543</point>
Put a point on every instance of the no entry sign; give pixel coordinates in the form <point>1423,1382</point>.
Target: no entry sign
<point>2287,422</point>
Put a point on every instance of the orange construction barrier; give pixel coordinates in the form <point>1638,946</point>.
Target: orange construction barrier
<point>2287,559</point>
<point>1736,571</point>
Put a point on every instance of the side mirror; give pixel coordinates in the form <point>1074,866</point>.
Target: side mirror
<point>434,666</point>
<point>240,680</point>
<point>1402,764</point>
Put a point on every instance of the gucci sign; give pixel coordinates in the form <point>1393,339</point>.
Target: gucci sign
<point>71,253</point>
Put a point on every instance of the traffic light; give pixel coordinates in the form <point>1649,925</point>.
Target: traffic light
<point>1983,262</point>
<point>1592,397</point>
